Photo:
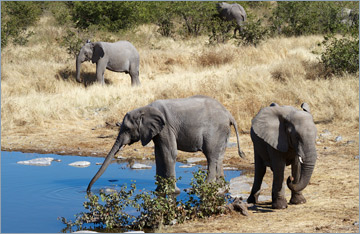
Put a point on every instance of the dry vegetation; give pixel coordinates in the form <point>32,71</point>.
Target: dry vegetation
<point>43,109</point>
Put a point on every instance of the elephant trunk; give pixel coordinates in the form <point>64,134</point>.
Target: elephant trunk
<point>78,66</point>
<point>117,146</point>
<point>307,168</point>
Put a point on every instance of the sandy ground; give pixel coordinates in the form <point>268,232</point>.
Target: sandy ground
<point>332,195</point>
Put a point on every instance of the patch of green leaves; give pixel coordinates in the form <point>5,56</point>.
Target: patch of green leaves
<point>156,208</point>
<point>341,55</point>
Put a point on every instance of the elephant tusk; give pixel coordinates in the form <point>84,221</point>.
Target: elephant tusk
<point>300,159</point>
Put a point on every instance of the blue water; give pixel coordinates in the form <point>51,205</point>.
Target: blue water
<point>33,197</point>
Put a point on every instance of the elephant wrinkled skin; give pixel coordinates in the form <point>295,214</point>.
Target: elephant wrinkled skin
<point>119,56</point>
<point>197,123</point>
<point>283,135</point>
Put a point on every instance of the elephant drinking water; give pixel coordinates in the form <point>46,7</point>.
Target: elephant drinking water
<point>283,135</point>
<point>119,56</point>
<point>197,123</point>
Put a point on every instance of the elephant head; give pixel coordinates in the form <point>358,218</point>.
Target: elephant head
<point>89,52</point>
<point>290,130</point>
<point>141,124</point>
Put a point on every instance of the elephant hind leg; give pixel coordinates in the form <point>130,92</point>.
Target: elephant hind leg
<point>134,74</point>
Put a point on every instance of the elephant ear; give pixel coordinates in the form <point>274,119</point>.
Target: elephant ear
<point>152,121</point>
<point>269,124</point>
<point>98,52</point>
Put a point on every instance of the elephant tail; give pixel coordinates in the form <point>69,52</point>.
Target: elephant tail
<point>233,122</point>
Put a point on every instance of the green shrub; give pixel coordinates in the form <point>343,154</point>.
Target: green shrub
<point>73,42</point>
<point>16,17</point>
<point>206,198</point>
<point>253,33</point>
<point>308,17</point>
<point>109,215</point>
<point>219,30</point>
<point>157,208</point>
<point>341,55</point>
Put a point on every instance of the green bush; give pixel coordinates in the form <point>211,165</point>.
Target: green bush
<point>109,215</point>
<point>16,17</point>
<point>341,55</point>
<point>219,30</point>
<point>253,33</point>
<point>157,208</point>
<point>309,17</point>
<point>206,198</point>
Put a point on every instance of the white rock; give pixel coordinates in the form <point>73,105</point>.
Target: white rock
<point>135,232</point>
<point>194,160</point>
<point>230,169</point>
<point>80,164</point>
<point>187,165</point>
<point>140,166</point>
<point>37,162</point>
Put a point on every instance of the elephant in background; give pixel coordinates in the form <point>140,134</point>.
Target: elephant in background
<point>283,135</point>
<point>349,17</point>
<point>197,123</point>
<point>231,12</point>
<point>119,56</point>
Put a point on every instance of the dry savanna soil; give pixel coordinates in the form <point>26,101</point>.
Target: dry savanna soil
<point>44,110</point>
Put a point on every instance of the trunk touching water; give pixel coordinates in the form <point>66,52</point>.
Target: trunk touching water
<point>117,146</point>
<point>78,66</point>
<point>307,168</point>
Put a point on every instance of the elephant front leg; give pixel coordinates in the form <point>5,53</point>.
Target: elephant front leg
<point>296,197</point>
<point>278,186</point>
<point>260,170</point>
<point>100,70</point>
<point>165,158</point>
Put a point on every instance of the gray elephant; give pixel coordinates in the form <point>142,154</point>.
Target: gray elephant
<point>283,135</point>
<point>119,56</point>
<point>231,12</point>
<point>349,17</point>
<point>197,123</point>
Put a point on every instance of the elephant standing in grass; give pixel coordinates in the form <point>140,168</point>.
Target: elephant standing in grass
<point>197,123</point>
<point>283,135</point>
<point>119,56</point>
<point>231,12</point>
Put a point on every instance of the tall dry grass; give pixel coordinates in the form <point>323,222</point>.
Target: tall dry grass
<point>38,86</point>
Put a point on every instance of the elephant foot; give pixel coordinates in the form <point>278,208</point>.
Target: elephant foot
<point>253,198</point>
<point>297,199</point>
<point>279,203</point>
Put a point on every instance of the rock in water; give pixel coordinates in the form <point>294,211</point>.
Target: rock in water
<point>80,164</point>
<point>140,166</point>
<point>37,162</point>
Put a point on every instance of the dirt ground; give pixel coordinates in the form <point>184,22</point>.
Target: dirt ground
<point>332,195</point>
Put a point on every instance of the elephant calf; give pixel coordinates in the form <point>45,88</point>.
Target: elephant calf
<point>197,123</point>
<point>119,56</point>
<point>283,135</point>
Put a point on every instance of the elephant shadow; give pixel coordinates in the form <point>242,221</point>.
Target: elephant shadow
<point>88,78</point>
<point>263,207</point>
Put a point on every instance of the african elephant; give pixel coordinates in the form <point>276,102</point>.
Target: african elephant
<point>349,17</point>
<point>119,56</point>
<point>231,12</point>
<point>192,124</point>
<point>283,135</point>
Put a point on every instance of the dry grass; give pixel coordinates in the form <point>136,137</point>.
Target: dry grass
<point>43,109</point>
